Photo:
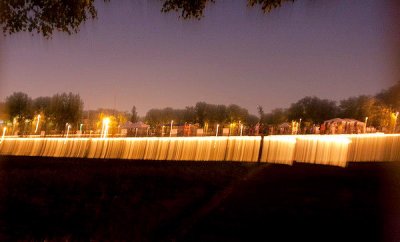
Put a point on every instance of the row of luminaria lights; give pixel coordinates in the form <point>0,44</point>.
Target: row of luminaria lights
<point>284,149</point>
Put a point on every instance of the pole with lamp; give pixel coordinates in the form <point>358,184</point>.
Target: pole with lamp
<point>366,120</point>
<point>170,130</point>
<point>300,126</point>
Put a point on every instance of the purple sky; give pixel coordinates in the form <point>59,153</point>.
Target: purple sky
<point>330,49</point>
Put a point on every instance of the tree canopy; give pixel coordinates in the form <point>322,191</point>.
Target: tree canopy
<point>47,16</point>
<point>55,111</point>
<point>390,97</point>
<point>312,109</point>
<point>201,113</point>
<point>19,109</point>
<point>66,108</point>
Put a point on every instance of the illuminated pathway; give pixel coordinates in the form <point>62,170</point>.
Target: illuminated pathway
<point>284,149</point>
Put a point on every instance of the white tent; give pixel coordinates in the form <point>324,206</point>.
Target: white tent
<point>130,125</point>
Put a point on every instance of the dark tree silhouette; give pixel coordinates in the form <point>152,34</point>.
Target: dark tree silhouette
<point>134,116</point>
<point>42,105</point>
<point>47,16</point>
<point>276,116</point>
<point>312,109</point>
<point>66,108</point>
<point>201,113</point>
<point>390,97</point>
<point>19,106</point>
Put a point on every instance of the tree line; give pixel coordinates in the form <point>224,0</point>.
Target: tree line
<point>202,113</point>
<point>379,110</point>
<point>67,108</point>
<point>55,112</point>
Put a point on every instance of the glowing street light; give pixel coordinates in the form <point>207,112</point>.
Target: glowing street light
<point>37,123</point>
<point>366,120</point>
<point>216,133</point>
<point>106,121</point>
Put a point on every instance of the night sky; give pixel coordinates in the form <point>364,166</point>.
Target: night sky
<point>135,55</point>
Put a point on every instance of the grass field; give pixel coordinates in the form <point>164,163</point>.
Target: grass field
<point>82,199</point>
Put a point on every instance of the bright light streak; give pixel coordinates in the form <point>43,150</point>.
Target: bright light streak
<point>69,126</point>
<point>282,138</point>
<point>104,128</point>
<point>314,149</point>
<point>326,138</point>
<point>4,133</point>
<point>106,121</point>
<point>66,137</point>
<point>216,133</point>
<point>37,123</point>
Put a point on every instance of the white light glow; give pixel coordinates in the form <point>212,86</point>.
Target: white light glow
<point>66,136</point>
<point>2,136</point>
<point>37,123</point>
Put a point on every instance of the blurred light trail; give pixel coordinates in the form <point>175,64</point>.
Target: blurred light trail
<point>66,137</point>
<point>336,150</point>
<point>4,133</point>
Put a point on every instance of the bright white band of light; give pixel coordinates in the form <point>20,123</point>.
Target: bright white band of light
<point>320,149</point>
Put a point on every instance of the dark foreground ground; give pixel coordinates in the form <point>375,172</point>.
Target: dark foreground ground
<point>79,199</point>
